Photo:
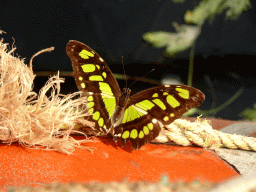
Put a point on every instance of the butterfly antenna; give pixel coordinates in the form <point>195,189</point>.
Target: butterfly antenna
<point>124,72</point>
<point>141,77</point>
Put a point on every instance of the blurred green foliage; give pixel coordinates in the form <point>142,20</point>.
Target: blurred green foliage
<point>249,114</point>
<point>186,35</point>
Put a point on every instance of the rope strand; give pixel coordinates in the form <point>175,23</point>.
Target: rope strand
<point>186,133</point>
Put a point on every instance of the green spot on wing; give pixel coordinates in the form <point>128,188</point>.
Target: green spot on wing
<point>146,130</point>
<point>134,134</point>
<point>105,88</point>
<point>145,105</point>
<point>83,85</point>
<point>95,78</point>
<point>96,115</point>
<point>110,104</point>
<point>87,68</point>
<point>183,93</point>
<point>130,114</point>
<point>125,135</point>
<point>172,101</point>
<point>159,103</point>
<point>101,122</point>
<point>90,111</point>
<point>104,75</point>
<point>90,104</point>
<point>89,98</point>
<point>86,54</point>
<point>141,134</point>
<point>150,126</point>
<point>166,118</point>
<point>125,117</point>
<point>155,95</point>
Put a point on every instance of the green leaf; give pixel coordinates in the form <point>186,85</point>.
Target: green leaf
<point>210,8</point>
<point>174,42</point>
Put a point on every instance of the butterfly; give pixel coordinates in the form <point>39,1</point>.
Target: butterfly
<point>136,118</point>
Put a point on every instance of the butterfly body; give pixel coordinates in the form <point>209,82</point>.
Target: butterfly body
<point>136,118</point>
<point>122,102</point>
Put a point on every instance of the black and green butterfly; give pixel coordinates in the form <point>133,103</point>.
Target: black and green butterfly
<point>137,118</point>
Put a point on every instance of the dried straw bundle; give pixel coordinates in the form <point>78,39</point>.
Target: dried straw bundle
<point>36,120</point>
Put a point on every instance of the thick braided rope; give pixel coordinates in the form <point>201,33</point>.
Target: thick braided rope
<point>186,133</point>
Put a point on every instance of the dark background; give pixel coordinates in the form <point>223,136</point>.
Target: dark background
<point>224,56</point>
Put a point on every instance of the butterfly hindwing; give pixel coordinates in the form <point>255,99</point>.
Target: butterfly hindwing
<point>94,78</point>
<point>149,109</point>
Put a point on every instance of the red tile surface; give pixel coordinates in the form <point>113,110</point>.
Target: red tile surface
<point>21,166</point>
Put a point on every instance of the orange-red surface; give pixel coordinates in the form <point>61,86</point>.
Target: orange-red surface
<point>20,166</point>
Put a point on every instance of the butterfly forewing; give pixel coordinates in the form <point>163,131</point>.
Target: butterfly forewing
<point>150,108</point>
<point>94,78</point>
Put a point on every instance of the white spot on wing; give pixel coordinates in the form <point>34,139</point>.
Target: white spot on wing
<point>154,121</point>
<point>117,135</point>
